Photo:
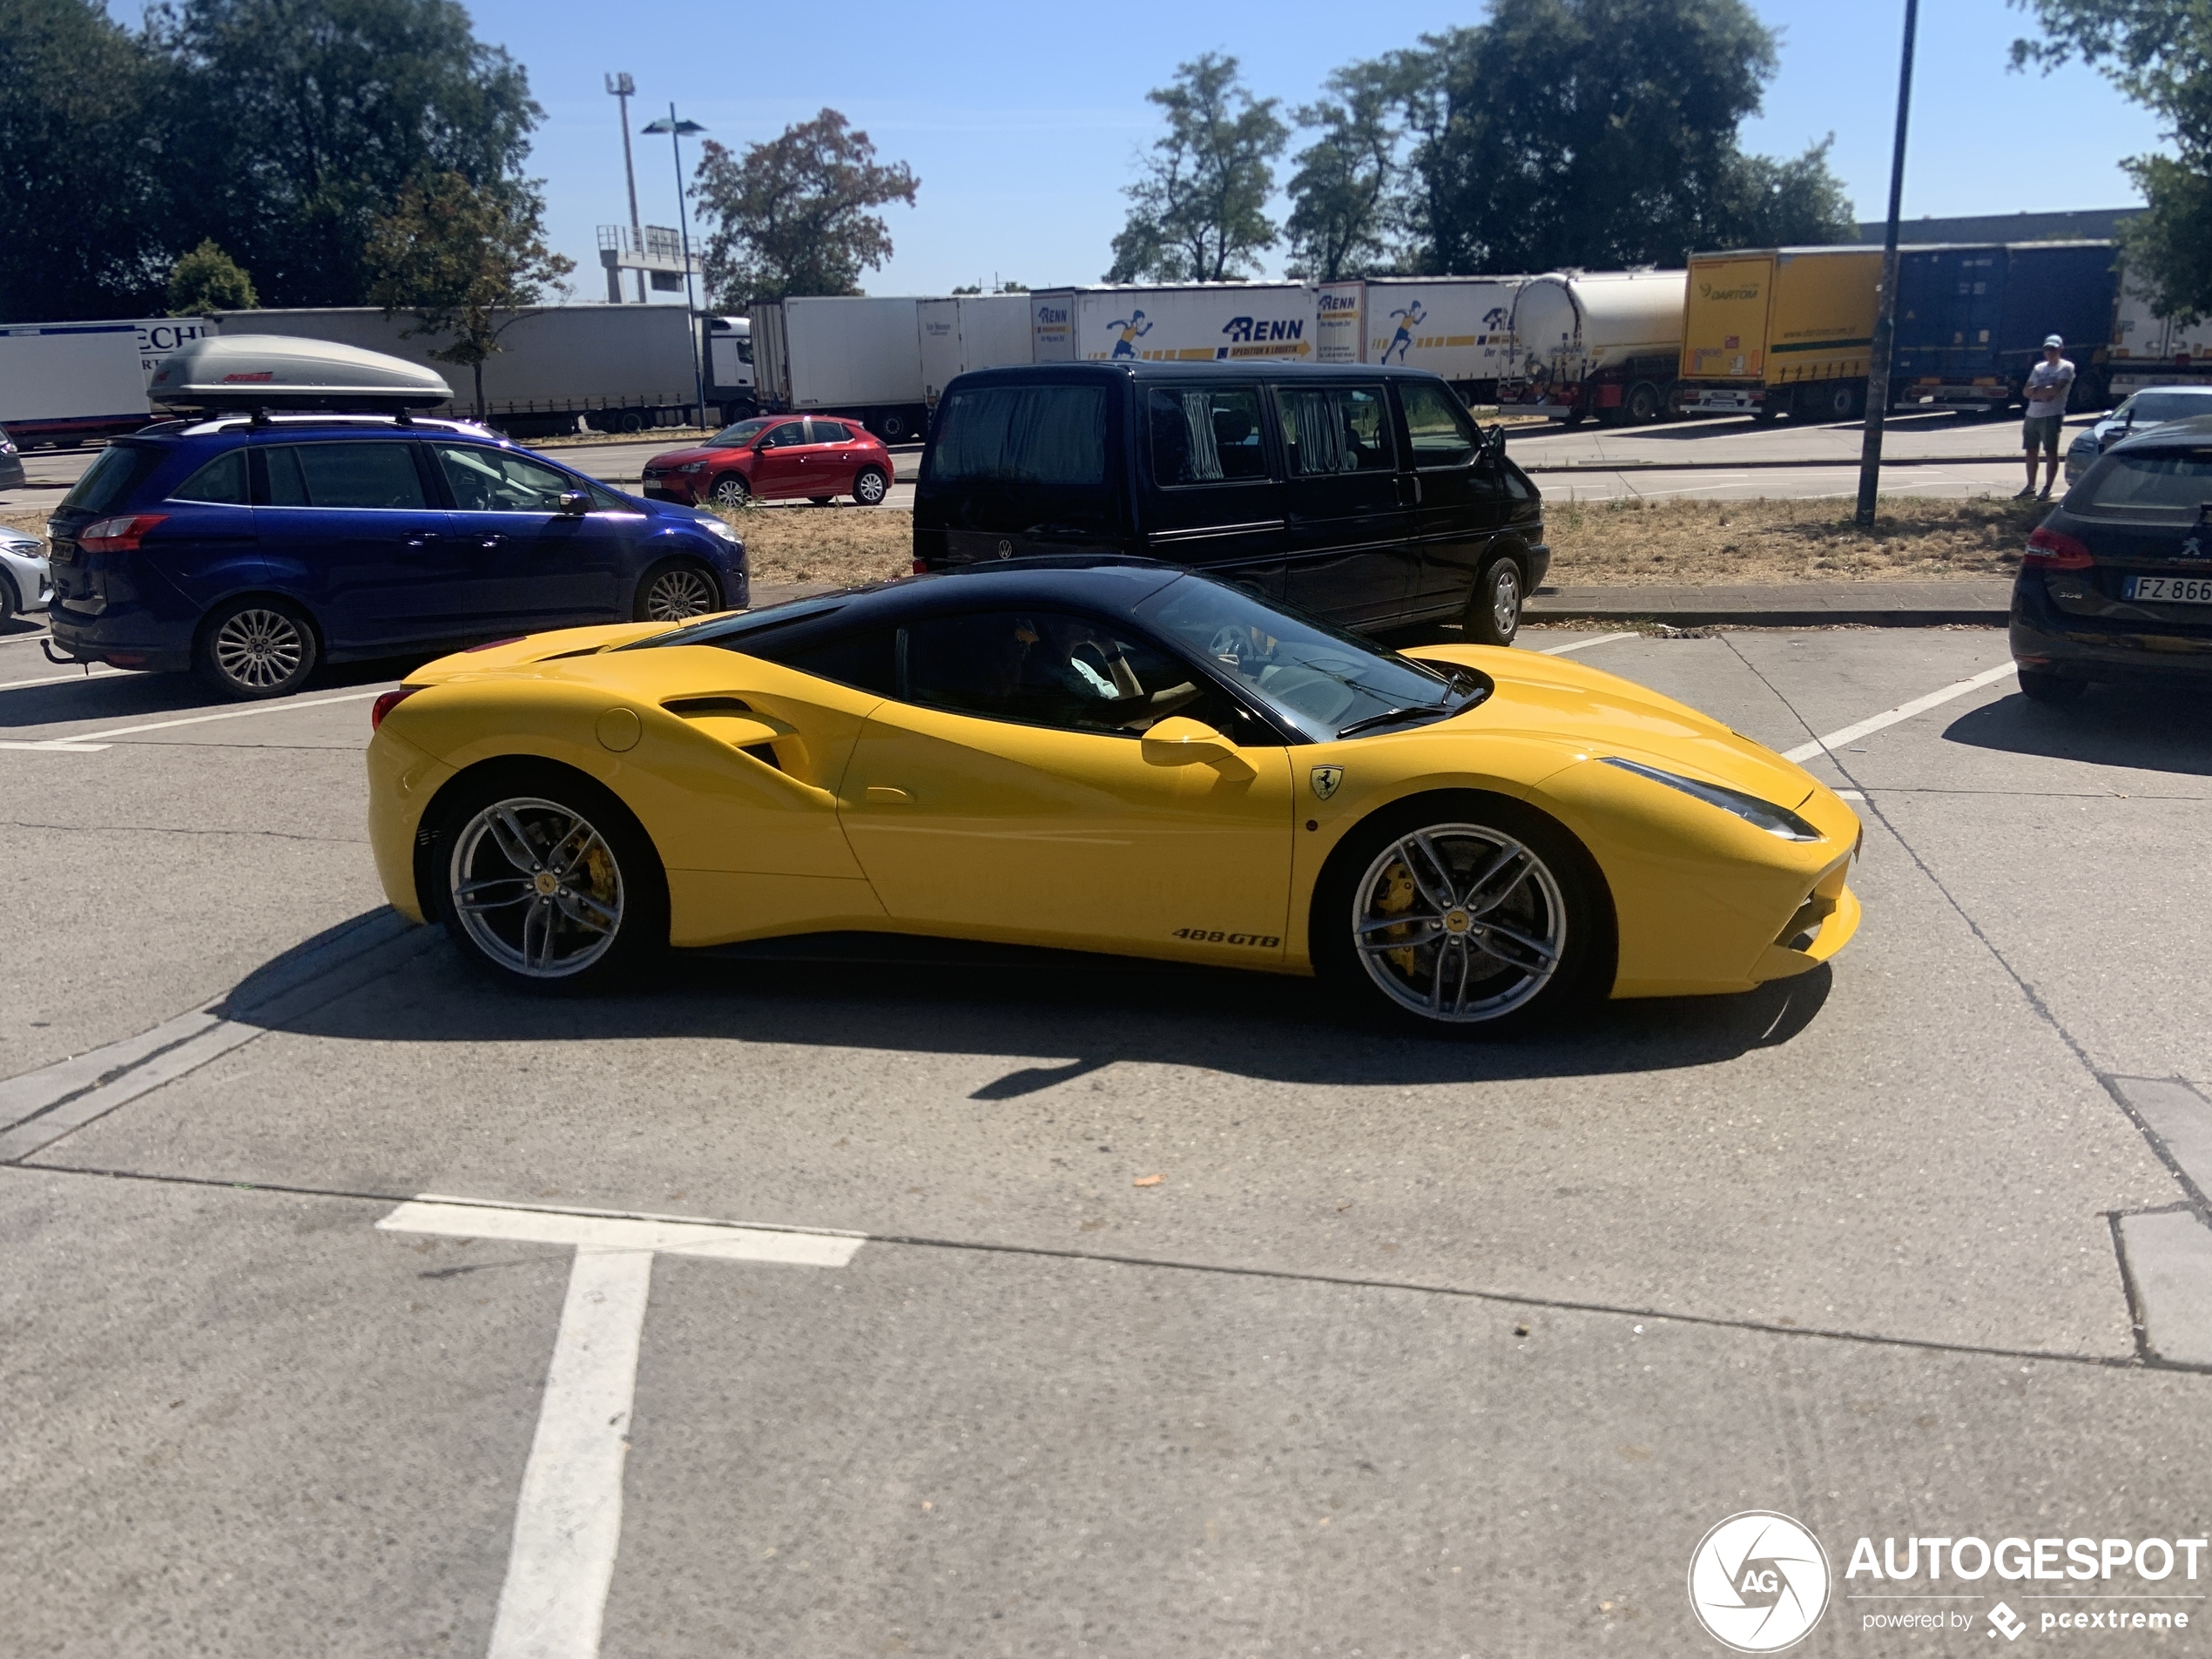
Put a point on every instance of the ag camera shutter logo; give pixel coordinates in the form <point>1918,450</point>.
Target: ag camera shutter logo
<point>1758,1582</point>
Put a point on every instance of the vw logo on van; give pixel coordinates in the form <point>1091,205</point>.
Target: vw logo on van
<point>1006,550</point>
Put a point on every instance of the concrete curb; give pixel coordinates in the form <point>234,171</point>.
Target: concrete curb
<point>2010,457</point>
<point>1785,604</point>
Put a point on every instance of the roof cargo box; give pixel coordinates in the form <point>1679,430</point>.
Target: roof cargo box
<point>278,372</point>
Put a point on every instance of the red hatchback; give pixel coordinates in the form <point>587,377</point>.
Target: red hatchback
<point>771,457</point>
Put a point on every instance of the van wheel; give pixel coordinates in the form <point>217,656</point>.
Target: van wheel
<point>1463,914</point>
<point>1493,614</point>
<point>870,487</point>
<point>256,648</point>
<point>545,880</point>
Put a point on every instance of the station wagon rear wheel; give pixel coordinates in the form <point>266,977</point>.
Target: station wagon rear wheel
<point>676,593</point>
<point>546,881</point>
<point>1467,913</point>
<point>257,648</point>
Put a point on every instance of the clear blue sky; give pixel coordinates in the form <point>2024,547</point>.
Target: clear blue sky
<point>1023,121</point>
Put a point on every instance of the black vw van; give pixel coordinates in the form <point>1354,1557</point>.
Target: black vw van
<point>1363,494</point>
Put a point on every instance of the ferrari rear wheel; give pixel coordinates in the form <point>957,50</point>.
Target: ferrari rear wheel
<point>1469,913</point>
<point>546,881</point>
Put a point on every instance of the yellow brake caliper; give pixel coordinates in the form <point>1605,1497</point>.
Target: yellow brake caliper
<point>1396,898</point>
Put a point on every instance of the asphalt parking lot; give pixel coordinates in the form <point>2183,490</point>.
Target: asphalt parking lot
<point>1414,1348</point>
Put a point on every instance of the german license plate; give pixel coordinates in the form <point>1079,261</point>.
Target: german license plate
<point>2171,590</point>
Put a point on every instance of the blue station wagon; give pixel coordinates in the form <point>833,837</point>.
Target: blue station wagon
<point>252,547</point>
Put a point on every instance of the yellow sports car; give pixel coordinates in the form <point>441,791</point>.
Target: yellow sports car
<point>1105,755</point>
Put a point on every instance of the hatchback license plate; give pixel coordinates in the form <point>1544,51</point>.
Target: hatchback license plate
<point>2172,590</point>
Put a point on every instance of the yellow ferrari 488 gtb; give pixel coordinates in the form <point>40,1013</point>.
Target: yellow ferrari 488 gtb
<point>1103,755</point>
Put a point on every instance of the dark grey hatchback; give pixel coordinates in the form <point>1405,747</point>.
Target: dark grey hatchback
<point>2116,583</point>
<point>1364,495</point>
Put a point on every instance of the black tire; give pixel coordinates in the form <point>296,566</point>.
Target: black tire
<point>677,591</point>
<point>1843,400</point>
<point>1642,406</point>
<point>730,491</point>
<point>1767,413</point>
<point>821,501</point>
<point>253,648</point>
<point>1575,419</point>
<point>892,427</point>
<point>1554,901</point>
<point>581,859</point>
<point>1493,609</point>
<point>870,486</point>
<point>2041,686</point>
<point>9,604</point>
<point>629,420</point>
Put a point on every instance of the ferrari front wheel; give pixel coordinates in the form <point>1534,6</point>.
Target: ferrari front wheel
<point>1471,914</point>
<point>546,881</point>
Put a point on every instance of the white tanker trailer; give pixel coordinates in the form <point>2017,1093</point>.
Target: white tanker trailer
<point>1606,343</point>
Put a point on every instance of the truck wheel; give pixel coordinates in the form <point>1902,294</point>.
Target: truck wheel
<point>1767,413</point>
<point>629,420</point>
<point>1642,403</point>
<point>1493,611</point>
<point>1845,400</point>
<point>891,426</point>
<point>1576,418</point>
<point>870,487</point>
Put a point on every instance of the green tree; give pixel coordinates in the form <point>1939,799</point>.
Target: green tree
<point>80,165</point>
<point>2159,53</point>
<point>795,215</point>
<point>1343,196</point>
<point>207,280</point>
<point>292,124</point>
<point>1765,203</point>
<point>1198,213</point>
<point>1597,134</point>
<point>466,262</point>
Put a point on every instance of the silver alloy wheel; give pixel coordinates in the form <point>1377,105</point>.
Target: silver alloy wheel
<point>1458,922</point>
<point>869,488</point>
<point>1504,597</point>
<point>732,491</point>
<point>679,594</point>
<point>259,649</point>
<point>536,888</point>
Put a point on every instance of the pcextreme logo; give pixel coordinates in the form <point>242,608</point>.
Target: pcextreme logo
<point>1758,1582</point>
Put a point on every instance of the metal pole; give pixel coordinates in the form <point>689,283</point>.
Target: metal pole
<point>622,87</point>
<point>1877,380</point>
<point>684,234</point>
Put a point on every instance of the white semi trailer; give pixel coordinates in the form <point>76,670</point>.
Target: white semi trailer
<point>970,331</point>
<point>1460,327</point>
<point>1607,344</point>
<point>843,355</point>
<point>2151,350</point>
<point>1186,322</point>
<point>67,383</point>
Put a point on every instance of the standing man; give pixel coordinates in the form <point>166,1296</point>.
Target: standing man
<point>2048,383</point>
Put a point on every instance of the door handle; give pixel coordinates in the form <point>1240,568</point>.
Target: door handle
<point>884,795</point>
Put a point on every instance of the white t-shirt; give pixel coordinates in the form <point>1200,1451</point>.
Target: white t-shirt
<point>2046,388</point>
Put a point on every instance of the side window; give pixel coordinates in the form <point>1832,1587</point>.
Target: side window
<point>827,432</point>
<point>1022,435</point>
<point>1045,668</point>
<point>1205,436</point>
<point>789,432</point>
<point>1437,427</point>
<point>493,480</point>
<point>344,475</point>
<point>1335,428</point>
<point>865,658</point>
<point>222,480</point>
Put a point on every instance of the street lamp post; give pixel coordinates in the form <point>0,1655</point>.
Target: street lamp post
<point>622,88</point>
<point>679,131</point>
<point>1877,380</point>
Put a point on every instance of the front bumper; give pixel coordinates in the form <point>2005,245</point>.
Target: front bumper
<point>30,577</point>
<point>2097,648</point>
<point>671,487</point>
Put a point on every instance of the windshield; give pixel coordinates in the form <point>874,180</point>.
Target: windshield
<point>1324,683</point>
<point>2148,409</point>
<point>115,472</point>
<point>2154,483</point>
<point>744,432</point>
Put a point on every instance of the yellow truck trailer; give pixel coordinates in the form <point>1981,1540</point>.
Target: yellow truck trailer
<point>1776,331</point>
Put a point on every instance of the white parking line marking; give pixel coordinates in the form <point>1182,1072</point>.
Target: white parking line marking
<point>63,679</point>
<point>1834,740</point>
<point>24,639</point>
<point>91,742</point>
<point>568,1521</point>
<point>1581,644</point>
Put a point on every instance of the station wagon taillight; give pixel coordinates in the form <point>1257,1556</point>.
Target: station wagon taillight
<point>121,533</point>
<point>2050,550</point>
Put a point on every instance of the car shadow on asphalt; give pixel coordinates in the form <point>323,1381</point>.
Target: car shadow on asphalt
<point>1101,1011</point>
<point>2139,727</point>
<point>70,698</point>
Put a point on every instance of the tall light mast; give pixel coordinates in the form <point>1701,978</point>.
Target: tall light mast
<point>622,87</point>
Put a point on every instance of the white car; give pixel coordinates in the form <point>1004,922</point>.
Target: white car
<point>2142,411</point>
<point>26,581</point>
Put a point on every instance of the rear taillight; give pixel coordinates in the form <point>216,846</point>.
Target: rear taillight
<point>121,533</point>
<point>386,704</point>
<point>2050,550</point>
<point>921,567</point>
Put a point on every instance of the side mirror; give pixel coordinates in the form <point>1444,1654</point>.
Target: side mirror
<point>1494,443</point>
<point>1181,741</point>
<point>575,503</point>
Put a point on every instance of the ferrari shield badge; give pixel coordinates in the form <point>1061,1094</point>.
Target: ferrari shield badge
<point>1325,780</point>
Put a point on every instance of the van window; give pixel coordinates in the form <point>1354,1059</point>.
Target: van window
<point>1205,436</point>
<point>1335,428</point>
<point>2152,484</point>
<point>1437,425</point>
<point>221,481</point>
<point>1022,435</point>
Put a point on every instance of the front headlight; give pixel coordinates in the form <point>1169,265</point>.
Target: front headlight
<point>716,527</point>
<point>1762,814</point>
<point>692,465</point>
